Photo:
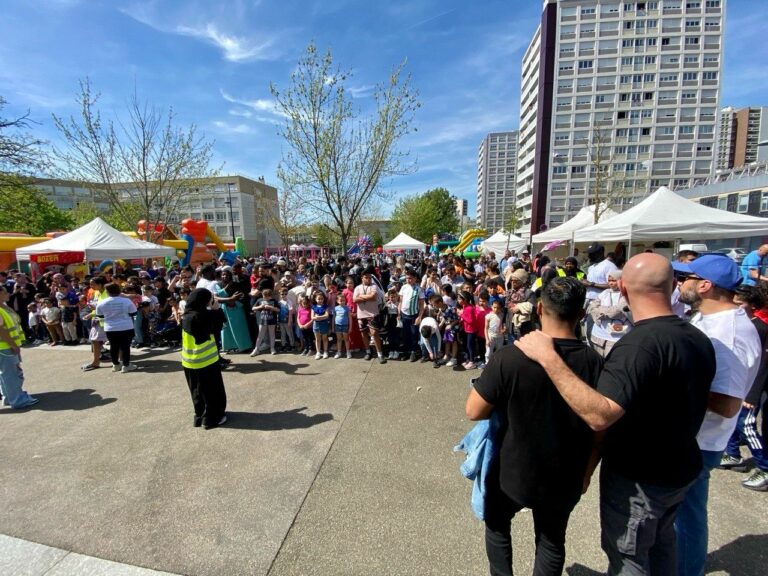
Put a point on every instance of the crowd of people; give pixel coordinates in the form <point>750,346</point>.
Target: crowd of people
<point>622,361</point>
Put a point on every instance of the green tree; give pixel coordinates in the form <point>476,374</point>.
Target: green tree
<point>334,158</point>
<point>426,214</point>
<point>377,239</point>
<point>144,159</point>
<point>25,209</point>
<point>86,211</point>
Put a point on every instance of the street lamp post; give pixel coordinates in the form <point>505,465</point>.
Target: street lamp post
<point>231,214</point>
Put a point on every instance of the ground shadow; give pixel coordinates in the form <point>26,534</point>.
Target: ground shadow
<point>80,399</point>
<point>265,365</point>
<point>581,570</point>
<point>746,555</point>
<point>285,420</point>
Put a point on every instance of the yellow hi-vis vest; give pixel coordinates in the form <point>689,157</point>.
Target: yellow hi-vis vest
<point>13,325</point>
<point>196,356</point>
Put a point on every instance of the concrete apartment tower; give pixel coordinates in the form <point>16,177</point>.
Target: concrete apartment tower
<point>740,133</point>
<point>636,84</point>
<point>496,179</point>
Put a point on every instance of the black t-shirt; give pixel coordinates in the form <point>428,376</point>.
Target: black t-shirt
<point>544,445</point>
<point>660,373</point>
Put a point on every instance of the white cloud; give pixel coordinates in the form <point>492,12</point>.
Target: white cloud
<point>259,104</point>
<point>233,128</point>
<point>235,49</point>
<point>361,91</point>
<point>241,113</point>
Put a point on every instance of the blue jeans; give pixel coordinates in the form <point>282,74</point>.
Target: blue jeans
<point>409,332</point>
<point>746,433</point>
<point>11,381</point>
<point>434,343</point>
<point>691,522</point>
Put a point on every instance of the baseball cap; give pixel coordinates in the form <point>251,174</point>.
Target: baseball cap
<point>718,269</point>
<point>595,248</point>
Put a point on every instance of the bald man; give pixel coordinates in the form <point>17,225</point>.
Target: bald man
<point>651,399</point>
<point>753,266</point>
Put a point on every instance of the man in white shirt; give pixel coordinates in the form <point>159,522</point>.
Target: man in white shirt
<point>709,283</point>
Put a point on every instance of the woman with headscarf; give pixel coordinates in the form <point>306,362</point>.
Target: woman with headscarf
<point>610,313</point>
<point>235,336</point>
<point>200,358</point>
<point>571,268</point>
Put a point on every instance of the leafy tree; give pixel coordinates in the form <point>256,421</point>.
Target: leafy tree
<point>25,209</point>
<point>143,160</point>
<point>85,212</point>
<point>423,215</point>
<point>21,154</point>
<point>377,239</point>
<point>513,219</point>
<point>334,158</point>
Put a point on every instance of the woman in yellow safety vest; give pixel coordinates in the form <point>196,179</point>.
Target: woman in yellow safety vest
<point>11,339</point>
<point>200,358</point>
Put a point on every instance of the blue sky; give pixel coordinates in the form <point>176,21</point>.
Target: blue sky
<point>213,62</point>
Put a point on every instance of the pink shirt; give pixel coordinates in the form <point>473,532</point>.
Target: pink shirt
<point>480,314</point>
<point>467,315</point>
<point>304,315</point>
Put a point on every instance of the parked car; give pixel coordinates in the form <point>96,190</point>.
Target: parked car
<point>736,254</point>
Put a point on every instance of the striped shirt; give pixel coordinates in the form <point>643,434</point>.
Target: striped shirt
<point>409,299</point>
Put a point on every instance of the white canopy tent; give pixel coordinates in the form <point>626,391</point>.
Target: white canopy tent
<point>502,241</point>
<point>404,242</point>
<point>665,215</point>
<point>567,230</point>
<point>99,241</point>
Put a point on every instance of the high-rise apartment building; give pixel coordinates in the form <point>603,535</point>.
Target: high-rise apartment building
<point>496,179</point>
<point>616,95</point>
<point>741,131</point>
<point>462,207</point>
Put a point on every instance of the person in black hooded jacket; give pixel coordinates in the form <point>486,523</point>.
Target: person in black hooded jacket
<point>200,358</point>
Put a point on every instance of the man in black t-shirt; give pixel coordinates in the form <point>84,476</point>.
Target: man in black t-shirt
<point>651,396</point>
<point>545,446</point>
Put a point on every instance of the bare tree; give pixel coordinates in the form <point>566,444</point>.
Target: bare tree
<point>145,165</point>
<point>513,219</point>
<point>288,217</point>
<point>334,158</point>
<point>21,154</point>
<point>608,184</point>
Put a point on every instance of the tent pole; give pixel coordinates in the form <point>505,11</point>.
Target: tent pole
<point>629,246</point>
<point>573,243</point>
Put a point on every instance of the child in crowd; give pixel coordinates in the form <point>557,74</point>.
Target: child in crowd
<point>68,321</point>
<point>285,319</point>
<point>268,308</point>
<point>481,311</point>
<point>494,329</point>
<point>449,319</point>
<point>33,319</point>
<point>466,305</point>
<point>392,303</point>
<point>430,340</point>
<point>448,296</point>
<point>51,317</point>
<point>321,325</point>
<point>341,325</point>
<point>304,319</point>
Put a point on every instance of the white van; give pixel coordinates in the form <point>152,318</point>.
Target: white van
<point>695,247</point>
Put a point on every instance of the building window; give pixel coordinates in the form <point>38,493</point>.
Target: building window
<point>651,59</point>
<point>690,76</point>
<point>709,75</point>
<point>578,169</point>
<point>686,129</point>
<point>209,216</point>
<point>713,4</point>
<point>587,11</point>
<point>652,24</point>
<point>743,203</point>
<point>651,41</point>
<point>559,170</point>
<point>691,40</point>
<point>764,202</point>
<point>583,64</point>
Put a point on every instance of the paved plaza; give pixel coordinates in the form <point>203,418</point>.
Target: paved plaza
<point>326,467</point>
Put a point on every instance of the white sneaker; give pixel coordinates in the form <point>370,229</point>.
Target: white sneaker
<point>273,352</point>
<point>255,353</point>
<point>129,368</point>
<point>349,355</point>
<point>451,363</point>
<point>115,367</point>
<point>337,356</point>
<point>318,356</point>
<point>325,355</point>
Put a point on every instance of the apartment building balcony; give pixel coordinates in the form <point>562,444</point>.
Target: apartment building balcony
<point>565,71</point>
<point>657,155</point>
<point>671,48</point>
<point>579,158</point>
<point>567,54</point>
<point>667,11</point>
<point>608,33</point>
<point>687,119</point>
<point>587,106</point>
<point>684,155</point>
<point>586,71</point>
<point>587,34</point>
<point>607,51</point>
<point>687,100</point>
<point>564,107</point>
<point>693,82</point>
<point>712,46</point>
<point>714,10</point>
<point>587,52</point>
<point>670,65</point>
<point>559,176</point>
<point>606,69</point>
<point>609,15</point>
<point>564,89</point>
<point>708,100</point>
<point>708,64</point>
<point>581,124</point>
<point>668,84</point>
<point>690,64</point>
<point>709,82</point>
<point>604,87</point>
<point>585,88</point>
<point>712,28</point>
<point>664,137</point>
<point>566,18</point>
<point>693,28</point>
<point>685,136</point>
<point>591,16</point>
<point>671,29</point>
<point>604,105</point>
<point>709,136</point>
<point>567,35</point>
<point>666,120</point>
<point>661,172</point>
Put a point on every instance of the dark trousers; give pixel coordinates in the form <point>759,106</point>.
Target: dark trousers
<point>549,528</point>
<point>409,333</point>
<point>209,398</point>
<point>309,339</point>
<point>120,346</point>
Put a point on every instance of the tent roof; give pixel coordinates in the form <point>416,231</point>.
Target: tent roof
<point>404,242</point>
<point>665,215</point>
<point>99,241</point>
<point>498,242</point>
<point>585,217</point>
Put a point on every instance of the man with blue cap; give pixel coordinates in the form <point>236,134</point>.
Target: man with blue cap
<point>708,284</point>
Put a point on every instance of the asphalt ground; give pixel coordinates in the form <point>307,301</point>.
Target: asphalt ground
<point>326,467</point>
